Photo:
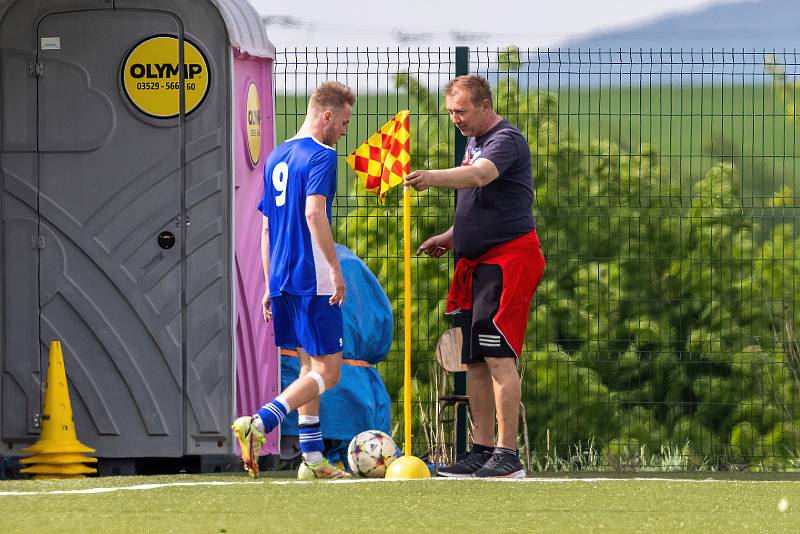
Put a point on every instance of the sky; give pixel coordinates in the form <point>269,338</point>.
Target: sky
<point>492,23</point>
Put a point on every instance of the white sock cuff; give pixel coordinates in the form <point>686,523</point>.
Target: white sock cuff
<point>318,379</point>
<point>307,419</point>
<point>283,402</point>
<point>312,457</point>
<point>258,422</point>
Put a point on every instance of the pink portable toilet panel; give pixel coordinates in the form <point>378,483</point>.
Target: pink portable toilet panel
<point>257,362</point>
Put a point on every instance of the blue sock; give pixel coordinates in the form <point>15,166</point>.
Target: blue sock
<point>272,414</point>
<point>311,441</point>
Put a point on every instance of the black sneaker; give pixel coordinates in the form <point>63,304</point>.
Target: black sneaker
<point>502,464</point>
<point>466,465</point>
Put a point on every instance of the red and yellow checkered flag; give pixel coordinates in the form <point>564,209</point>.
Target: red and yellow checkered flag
<point>383,160</point>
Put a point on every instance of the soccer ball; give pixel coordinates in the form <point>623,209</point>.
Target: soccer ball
<point>370,453</point>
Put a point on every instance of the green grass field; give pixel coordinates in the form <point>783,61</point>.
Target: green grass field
<point>280,504</point>
<point>693,126</point>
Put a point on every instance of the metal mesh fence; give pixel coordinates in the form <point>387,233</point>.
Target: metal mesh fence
<point>663,334</point>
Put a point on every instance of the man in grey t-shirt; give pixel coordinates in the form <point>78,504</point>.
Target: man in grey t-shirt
<point>500,210</point>
<point>499,267</point>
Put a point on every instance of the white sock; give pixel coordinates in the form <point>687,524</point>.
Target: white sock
<point>312,457</point>
<point>283,401</point>
<point>258,423</point>
<point>307,419</point>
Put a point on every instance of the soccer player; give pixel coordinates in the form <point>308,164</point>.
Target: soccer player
<point>305,286</point>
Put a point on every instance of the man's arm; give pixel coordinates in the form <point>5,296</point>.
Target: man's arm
<point>320,229</point>
<point>479,174</point>
<point>265,262</point>
<point>437,245</point>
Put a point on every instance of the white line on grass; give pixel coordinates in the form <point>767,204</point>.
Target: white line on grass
<point>121,488</point>
<point>144,487</point>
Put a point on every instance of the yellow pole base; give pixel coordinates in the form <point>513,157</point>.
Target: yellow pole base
<point>407,467</point>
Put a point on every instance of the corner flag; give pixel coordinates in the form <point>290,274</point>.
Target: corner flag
<point>383,160</point>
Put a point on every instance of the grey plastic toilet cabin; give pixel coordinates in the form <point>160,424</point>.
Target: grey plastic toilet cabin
<point>116,208</point>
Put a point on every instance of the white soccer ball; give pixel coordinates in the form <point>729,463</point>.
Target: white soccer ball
<point>370,453</point>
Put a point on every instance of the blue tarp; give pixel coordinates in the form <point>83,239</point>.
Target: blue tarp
<point>359,401</point>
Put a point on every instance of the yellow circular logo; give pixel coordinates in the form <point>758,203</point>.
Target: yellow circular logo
<point>253,123</point>
<point>151,76</point>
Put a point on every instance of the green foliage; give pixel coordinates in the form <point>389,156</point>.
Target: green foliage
<point>508,60</point>
<point>786,90</point>
<point>667,314</point>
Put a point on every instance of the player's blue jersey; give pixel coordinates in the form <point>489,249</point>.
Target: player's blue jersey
<point>297,168</point>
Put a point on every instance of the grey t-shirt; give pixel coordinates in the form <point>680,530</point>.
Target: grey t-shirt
<point>503,209</point>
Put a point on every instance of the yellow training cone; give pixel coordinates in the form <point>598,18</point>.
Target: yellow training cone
<point>50,469</point>
<point>407,467</point>
<point>58,458</point>
<point>58,445</point>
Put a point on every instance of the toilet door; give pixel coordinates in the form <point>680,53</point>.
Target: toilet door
<point>110,225</point>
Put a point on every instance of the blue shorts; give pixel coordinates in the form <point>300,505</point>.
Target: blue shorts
<point>307,321</point>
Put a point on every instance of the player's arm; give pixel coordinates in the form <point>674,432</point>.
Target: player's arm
<point>479,174</point>
<point>320,229</point>
<point>265,262</point>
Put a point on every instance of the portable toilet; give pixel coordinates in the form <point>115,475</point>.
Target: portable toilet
<point>132,133</point>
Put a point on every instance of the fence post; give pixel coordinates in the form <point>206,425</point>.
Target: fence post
<point>460,379</point>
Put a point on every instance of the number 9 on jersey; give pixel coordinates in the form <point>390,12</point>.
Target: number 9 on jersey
<point>280,177</point>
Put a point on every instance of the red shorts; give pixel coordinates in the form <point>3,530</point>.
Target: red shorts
<point>494,293</point>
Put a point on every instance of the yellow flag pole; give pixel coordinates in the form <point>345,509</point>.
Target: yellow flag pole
<point>407,327</point>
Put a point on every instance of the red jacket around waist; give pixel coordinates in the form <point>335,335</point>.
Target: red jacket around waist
<point>522,264</point>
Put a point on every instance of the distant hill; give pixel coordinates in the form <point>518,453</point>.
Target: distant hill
<point>724,43</point>
<point>754,24</point>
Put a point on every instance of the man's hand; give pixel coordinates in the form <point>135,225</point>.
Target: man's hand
<point>419,180</point>
<point>339,288</point>
<point>435,246</point>
<point>265,306</point>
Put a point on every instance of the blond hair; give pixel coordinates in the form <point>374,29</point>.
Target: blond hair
<point>477,86</point>
<point>331,95</point>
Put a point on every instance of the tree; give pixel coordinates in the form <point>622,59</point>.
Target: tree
<point>664,316</point>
